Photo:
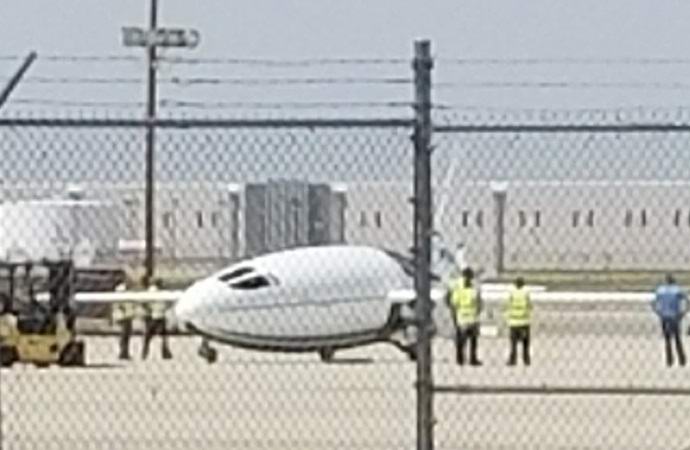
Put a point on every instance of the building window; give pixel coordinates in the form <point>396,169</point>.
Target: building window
<point>215,219</point>
<point>590,218</point>
<point>199,219</point>
<point>576,218</point>
<point>377,219</point>
<point>465,219</point>
<point>480,219</point>
<point>167,220</point>
<point>628,218</point>
<point>522,219</point>
<point>362,219</point>
<point>537,219</point>
<point>643,218</point>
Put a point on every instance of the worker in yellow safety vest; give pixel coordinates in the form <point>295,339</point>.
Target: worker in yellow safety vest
<point>123,313</point>
<point>155,323</point>
<point>467,305</point>
<point>518,314</point>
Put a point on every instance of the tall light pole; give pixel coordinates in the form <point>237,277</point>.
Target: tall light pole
<point>150,144</point>
<point>152,38</point>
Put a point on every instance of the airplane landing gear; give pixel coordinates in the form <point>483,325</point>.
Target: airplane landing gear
<point>207,352</point>
<point>326,354</point>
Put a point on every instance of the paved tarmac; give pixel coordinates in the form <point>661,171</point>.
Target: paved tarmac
<point>365,400</point>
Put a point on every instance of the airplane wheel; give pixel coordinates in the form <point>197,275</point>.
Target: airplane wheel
<point>209,353</point>
<point>212,356</point>
<point>327,354</point>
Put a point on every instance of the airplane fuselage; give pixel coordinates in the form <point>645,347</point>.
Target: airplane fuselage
<point>298,300</point>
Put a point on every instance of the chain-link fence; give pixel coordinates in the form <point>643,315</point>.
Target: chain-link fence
<point>592,218</point>
<point>222,196</point>
<point>302,232</point>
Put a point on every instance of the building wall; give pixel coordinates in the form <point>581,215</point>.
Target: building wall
<point>552,226</point>
<point>549,226</point>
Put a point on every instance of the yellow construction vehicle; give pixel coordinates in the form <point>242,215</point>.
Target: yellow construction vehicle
<point>39,333</point>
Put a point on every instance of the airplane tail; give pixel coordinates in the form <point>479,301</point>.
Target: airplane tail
<point>446,263</point>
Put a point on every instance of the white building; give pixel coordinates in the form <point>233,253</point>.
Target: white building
<point>546,225</point>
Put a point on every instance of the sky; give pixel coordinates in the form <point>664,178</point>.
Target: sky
<point>613,55</point>
<point>296,29</point>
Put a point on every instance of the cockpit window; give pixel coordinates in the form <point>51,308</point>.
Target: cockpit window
<point>254,282</point>
<point>236,273</point>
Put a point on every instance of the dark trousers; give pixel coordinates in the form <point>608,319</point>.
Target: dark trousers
<point>671,330</point>
<point>519,334</point>
<point>463,335</point>
<point>125,334</point>
<point>153,327</point>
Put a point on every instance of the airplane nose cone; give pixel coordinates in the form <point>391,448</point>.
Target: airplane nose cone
<point>199,300</point>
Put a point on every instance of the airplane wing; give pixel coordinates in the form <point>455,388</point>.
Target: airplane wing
<point>121,297</point>
<point>498,293</point>
<point>489,291</point>
<point>408,295</point>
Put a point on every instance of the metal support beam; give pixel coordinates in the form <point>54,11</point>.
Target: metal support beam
<point>423,229</point>
<point>14,81</point>
<point>562,390</point>
<point>566,128</point>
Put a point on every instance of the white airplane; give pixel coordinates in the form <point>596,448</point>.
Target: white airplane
<point>322,299</point>
<point>319,299</point>
<point>306,299</point>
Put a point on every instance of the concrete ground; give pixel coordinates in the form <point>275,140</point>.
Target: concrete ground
<point>365,400</point>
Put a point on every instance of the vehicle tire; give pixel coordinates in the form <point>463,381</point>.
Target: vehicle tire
<point>327,354</point>
<point>73,355</point>
<point>211,355</point>
<point>8,356</point>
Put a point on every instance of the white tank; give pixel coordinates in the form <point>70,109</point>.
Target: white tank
<point>84,230</point>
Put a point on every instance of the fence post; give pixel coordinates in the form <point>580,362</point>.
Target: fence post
<point>423,227</point>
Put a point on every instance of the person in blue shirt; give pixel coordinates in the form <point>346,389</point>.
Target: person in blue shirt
<point>670,304</point>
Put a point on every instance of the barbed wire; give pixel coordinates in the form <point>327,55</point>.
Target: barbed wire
<point>278,81</point>
<point>80,80</point>
<point>175,103</point>
<point>290,81</point>
<point>181,103</point>
<point>364,61</point>
<point>675,85</point>
<point>276,62</point>
<point>565,61</point>
<point>220,81</point>
<point>90,58</point>
<point>77,103</point>
<point>320,81</point>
